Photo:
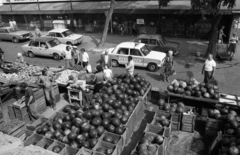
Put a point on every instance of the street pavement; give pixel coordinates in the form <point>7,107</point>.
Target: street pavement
<point>186,64</point>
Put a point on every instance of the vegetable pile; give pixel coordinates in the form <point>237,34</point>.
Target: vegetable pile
<point>230,146</point>
<point>171,107</point>
<point>64,76</point>
<point>162,121</point>
<point>193,88</point>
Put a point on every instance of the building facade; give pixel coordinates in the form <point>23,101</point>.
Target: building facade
<point>176,20</point>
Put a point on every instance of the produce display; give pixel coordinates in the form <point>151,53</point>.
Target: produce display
<point>194,88</point>
<point>149,145</point>
<point>171,107</point>
<point>104,150</point>
<point>64,76</point>
<point>9,126</point>
<point>33,150</point>
<point>230,146</point>
<point>162,121</point>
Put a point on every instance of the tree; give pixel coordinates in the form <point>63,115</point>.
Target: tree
<point>105,31</point>
<point>212,7</point>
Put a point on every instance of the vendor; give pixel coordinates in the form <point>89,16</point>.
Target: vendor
<point>20,58</point>
<point>29,101</point>
<point>98,79</point>
<point>1,58</point>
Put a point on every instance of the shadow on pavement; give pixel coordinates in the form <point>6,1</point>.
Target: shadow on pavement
<point>155,76</point>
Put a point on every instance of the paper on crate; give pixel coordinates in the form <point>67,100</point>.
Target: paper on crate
<point>9,143</point>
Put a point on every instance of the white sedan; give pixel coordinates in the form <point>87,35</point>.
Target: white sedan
<point>142,55</point>
<point>48,47</point>
<point>65,36</point>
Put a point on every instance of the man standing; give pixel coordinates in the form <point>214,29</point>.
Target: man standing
<point>85,58</point>
<point>68,56</point>
<point>76,56</point>
<point>46,82</point>
<point>130,66</point>
<point>1,58</point>
<point>221,34</point>
<point>208,68</point>
<point>14,24</point>
<point>29,101</point>
<point>10,23</point>
<point>37,32</point>
<point>106,59</point>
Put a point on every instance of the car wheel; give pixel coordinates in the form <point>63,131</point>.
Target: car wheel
<point>15,40</point>
<point>115,63</point>
<point>69,43</point>
<point>152,67</point>
<point>56,56</point>
<point>30,54</point>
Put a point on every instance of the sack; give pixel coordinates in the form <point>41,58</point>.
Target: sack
<point>89,68</point>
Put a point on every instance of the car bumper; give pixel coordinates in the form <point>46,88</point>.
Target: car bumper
<point>78,41</point>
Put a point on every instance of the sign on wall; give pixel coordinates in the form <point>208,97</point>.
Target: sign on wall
<point>140,21</point>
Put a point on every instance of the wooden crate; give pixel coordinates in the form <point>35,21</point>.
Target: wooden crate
<point>187,127</point>
<point>160,113</point>
<point>154,129</point>
<point>23,134</point>
<point>119,144</point>
<point>59,144</point>
<point>204,112</point>
<point>161,148</point>
<point>84,151</point>
<point>45,143</point>
<point>105,145</point>
<point>33,140</point>
<point>176,117</point>
<point>188,118</point>
<point>139,110</point>
<point>69,150</point>
<point>38,94</point>
<point>167,129</point>
<point>11,112</point>
<point>125,138</point>
<point>130,124</point>
<point>33,126</point>
<point>213,123</point>
<point>155,94</point>
<point>175,126</point>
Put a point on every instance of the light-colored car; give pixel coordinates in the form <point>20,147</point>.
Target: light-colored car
<point>15,35</point>
<point>142,55</point>
<point>65,36</point>
<point>43,46</point>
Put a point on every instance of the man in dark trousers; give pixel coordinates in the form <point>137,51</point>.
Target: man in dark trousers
<point>29,101</point>
<point>106,59</point>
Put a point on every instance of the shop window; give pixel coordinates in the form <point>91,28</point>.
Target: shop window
<point>145,41</point>
<point>34,44</point>
<point>135,52</point>
<point>153,42</point>
<point>123,51</point>
<point>59,35</point>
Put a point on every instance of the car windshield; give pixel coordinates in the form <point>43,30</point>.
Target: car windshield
<point>67,33</point>
<point>12,30</point>
<point>54,42</point>
<point>145,50</point>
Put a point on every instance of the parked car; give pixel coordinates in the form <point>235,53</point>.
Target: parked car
<point>158,43</point>
<point>43,46</point>
<point>15,35</point>
<point>65,36</point>
<point>142,55</point>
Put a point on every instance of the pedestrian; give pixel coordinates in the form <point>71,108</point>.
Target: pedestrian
<point>98,79</point>
<point>37,32</point>
<point>130,65</point>
<point>122,29</point>
<point>106,59</point>
<point>233,45</point>
<point>134,29</point>
<point>30,101</point>
<point>10,23</point>
<point>167,67</point>
<point>1,58</point>
<point>20,58</point>
<point>68,56</point>
<point>221,34</point>
<point>85,58</point>
<point>107,73</point>
<point>76,55</point>
<point>208,68</point>
<point>14,24</point>
<point>46,82</point>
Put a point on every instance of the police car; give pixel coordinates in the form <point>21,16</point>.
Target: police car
<point>142,55</point>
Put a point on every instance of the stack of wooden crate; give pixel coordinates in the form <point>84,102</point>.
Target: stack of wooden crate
<point>212,126</point>
<point>21,112</point>
<point>188,120</point>
<point>57,94</point>
<point>175,123</point>
<point>40,101</point>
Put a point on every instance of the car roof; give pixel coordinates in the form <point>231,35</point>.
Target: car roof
<point>58,30</point>
<point>7,27</point>
<point>131,45</point>
<point>150,36</point>
<point>43,39</point>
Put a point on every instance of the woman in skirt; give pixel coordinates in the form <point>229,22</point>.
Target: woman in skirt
<point>233,45</point>
<point>168,68</point>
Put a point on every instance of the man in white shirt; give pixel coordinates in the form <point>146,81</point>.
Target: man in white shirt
<point>68,56</point>
<point>130,65</point>
<point>107,73</point>
<point>14,24</point>
<point>85,58</point>
<point>106,59</point>
<point>10,23</point>
<point>208,68</point>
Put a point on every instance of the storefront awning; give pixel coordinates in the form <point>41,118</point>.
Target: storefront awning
<point>19,9</point>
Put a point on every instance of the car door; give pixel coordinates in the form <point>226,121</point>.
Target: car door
<point>59,36</point>
<point>137,57</point>
<point>44,49</point>
<point>34,47</point>
<point>6,35</point>
<point>122,55</point>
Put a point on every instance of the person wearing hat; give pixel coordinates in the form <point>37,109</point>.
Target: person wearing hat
<point>233,45</point>
<point>98,79</point>
<point>30,101</point>
<point>130,65</point>
<point>76,55</point>
<point>37,32</point>
<point>1,58</point>
<point>20,58</point>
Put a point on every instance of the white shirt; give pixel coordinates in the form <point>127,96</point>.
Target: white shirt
<point>209,65</point>
<point>130,66</point>
<point>14,23</point>
<point>68,54</point>
<point>85,57</point>
<point>107,73</point>
<point>234,40</point>
<point>106,59</point>
<point>11,24</point>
